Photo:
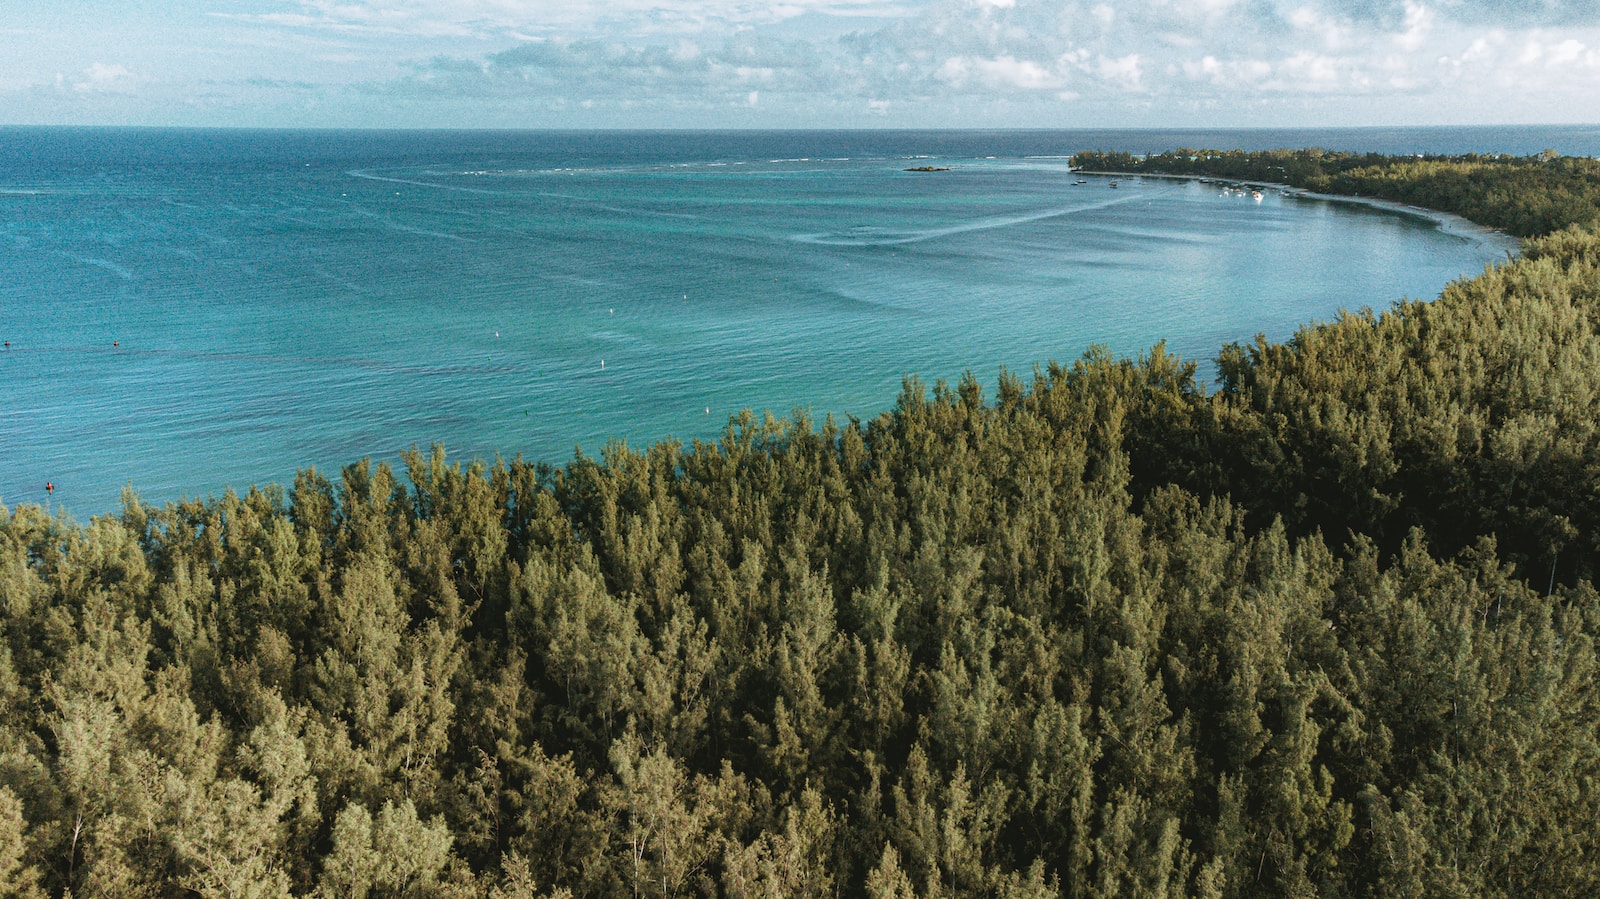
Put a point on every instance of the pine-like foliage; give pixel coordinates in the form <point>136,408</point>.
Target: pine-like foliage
<point>1328,630</point>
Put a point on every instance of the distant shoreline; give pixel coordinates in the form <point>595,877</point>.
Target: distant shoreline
<point>1448,222</point>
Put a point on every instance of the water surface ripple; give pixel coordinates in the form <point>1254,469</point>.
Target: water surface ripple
<point>192,310</point>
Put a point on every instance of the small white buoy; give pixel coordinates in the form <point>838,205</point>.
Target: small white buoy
<point>708,410</point>
<point>612,311</point>
<point>602,363</point>
<point>497,333</point>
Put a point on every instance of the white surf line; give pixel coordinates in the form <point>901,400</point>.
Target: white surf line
<point>596,204</point>
<point>989,224</point>
<point>357,173</point>
<point>104,264</point>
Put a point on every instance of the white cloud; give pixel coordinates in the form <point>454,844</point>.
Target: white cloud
<point>1234,74</point>
<point>528,18</point>
<point>1000,72</point>
<point>1033,51</point>
<point>102,78</point>
<point>1315,73</point>
<point>1327,33</point>
<point>1483,49</point>
<point>1124,71</point>
<point>1566,52</point>
<point>883,59</point>
<point>1418,24</point>
<point>956,70</point>
<point>1221,52</point>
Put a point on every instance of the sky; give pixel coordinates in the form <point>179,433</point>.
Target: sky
<point>799,63</point>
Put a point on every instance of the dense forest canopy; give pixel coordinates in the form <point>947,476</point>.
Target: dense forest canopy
<point>1328,628</point>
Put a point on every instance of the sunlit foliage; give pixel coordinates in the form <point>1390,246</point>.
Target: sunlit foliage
<point>1327,629</point>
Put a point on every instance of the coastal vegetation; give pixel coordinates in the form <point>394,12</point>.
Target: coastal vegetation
<point>1328,627</point>
<point>1523,195</point>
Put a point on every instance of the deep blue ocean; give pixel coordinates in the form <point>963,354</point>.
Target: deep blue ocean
<point>189,310</point>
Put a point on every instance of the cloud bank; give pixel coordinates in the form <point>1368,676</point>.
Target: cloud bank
<point>910,62</point>
<point>1228,57</point>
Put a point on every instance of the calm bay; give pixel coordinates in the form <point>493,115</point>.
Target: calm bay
<point>192,310</point>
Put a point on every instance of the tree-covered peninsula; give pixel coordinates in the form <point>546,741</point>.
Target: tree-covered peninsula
<point>1326,628</point>
<point>1523,195</point>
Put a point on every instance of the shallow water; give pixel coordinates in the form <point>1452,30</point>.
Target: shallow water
<point>191,310</point>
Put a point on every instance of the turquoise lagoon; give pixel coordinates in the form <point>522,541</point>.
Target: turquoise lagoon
<point>193,310</point>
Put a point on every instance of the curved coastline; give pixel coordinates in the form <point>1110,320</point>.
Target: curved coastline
<point>582,642</point>
<point>1448,222</point>
<point>671,351</point>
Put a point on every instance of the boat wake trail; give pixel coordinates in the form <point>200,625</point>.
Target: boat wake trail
<point>882,237</point>
<point>368,176</point>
